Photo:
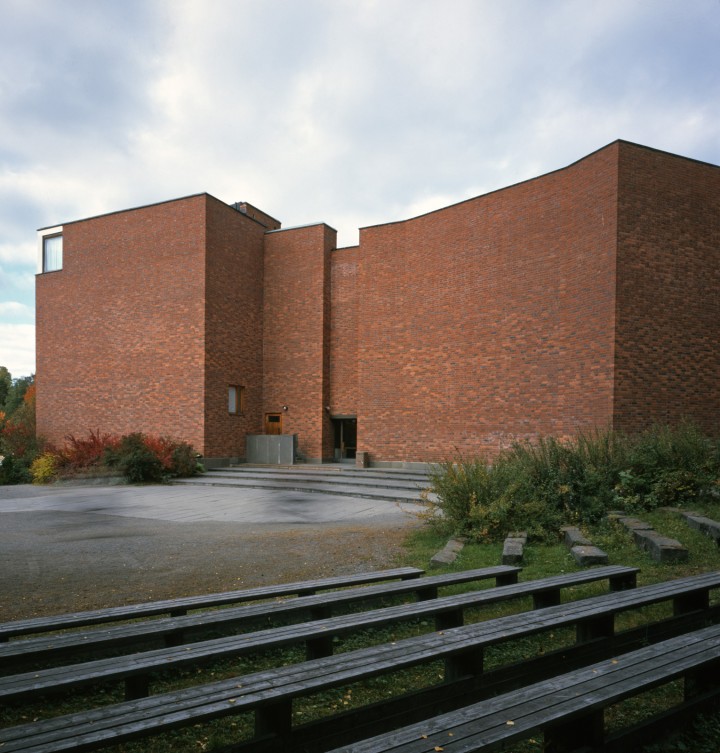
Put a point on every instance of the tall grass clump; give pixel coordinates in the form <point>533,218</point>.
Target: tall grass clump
<point>542,485</point>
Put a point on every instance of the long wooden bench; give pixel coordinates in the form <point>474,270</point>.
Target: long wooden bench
<point>317,635</point>
<point>568,710</point>
<point>269,694</point>
<point>182,605</point>
<point>175,630</point>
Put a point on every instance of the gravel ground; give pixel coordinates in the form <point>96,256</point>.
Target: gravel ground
<point>68,561</point>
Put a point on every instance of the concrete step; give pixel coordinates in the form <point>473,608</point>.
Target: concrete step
<point>329,470</point>
<point>409,493</point>
<point>381,482</point>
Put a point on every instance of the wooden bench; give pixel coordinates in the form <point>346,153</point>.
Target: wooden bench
<point>175,630</point>
<point>317,636</point>
<point>269,694</point>
<point>568,710</point>
<point>183,605</point>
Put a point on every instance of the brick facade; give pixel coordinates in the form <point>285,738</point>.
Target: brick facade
<point>587,297</point>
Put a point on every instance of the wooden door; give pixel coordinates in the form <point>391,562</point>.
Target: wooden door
<point>273,423</point>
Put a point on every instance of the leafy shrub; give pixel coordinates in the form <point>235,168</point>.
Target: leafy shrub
<point>184,460</point>
<point>44,468</point>
<point>18,441</point>
<point>540,486</point>
<point>668,466</point>
<point>14,470</point>
<point>82,453</point>
<point>144,459</point>
<point>135,460</point>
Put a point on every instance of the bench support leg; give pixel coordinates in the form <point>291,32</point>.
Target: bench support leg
<point>464,664</point>
<point>701,680</point>
<point>137,687</point>
<point>319,647</point>
<point>275,719</point>
<point>546,599</point>
<point>692,601</point>
<point>508,579</point>
<point>423,594</point>
<point>451,619</point>
<point>600,627</point>
<point>587,731</point>
<point>623,582</point>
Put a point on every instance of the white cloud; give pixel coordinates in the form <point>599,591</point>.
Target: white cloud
<point>15,309</point>
<point>353,113</point>
<point>17,348</point>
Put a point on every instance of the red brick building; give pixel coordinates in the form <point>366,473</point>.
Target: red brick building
<point>587,297</point>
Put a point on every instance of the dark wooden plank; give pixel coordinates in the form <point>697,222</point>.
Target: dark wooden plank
<point>59,679</point>
<point>74,620</point>
<point>519,714</point>
<point>528,709</point>
<point>127,635</point>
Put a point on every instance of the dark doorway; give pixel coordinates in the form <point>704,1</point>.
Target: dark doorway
<point>345,428</point>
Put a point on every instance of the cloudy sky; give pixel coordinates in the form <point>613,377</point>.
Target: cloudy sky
<point>351,112</point>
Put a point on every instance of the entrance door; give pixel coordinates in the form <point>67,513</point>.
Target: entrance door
<point>345,430</point>
<point>273,423</point>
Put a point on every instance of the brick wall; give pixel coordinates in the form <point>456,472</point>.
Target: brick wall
<point>121,329</point>
<point>296,333</point>
<point>233,327</point>
<point>490,320</point>
<point>344,332</point>
<point>668,332</point>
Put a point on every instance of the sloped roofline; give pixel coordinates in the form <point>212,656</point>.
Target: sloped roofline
<point>539,177</point>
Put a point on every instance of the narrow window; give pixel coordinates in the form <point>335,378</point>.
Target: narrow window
<point>52,253</point>
<point>236,399</point>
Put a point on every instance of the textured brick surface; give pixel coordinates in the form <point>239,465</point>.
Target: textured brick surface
<point>121,328</point>
<point>584,298</point>
<point>344,332</point>
<point>233,328</point>
<point>668,328</point>
<point>297,334</point>
<point>491,320</point>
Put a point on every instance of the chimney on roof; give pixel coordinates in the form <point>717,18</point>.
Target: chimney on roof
<point>256,214</point>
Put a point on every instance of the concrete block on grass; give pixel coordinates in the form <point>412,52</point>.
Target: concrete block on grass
<point>586,556</point>
<point>661,548</point>
<point>572,536</point>
<point>448,554</point>
<point>513,550</point>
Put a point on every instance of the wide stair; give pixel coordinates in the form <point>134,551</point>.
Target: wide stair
<point>394,485</point>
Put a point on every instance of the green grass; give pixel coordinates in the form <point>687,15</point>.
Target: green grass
<point>541,560</point>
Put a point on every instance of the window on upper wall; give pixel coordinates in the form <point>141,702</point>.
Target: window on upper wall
<point>52,253</point>
<point>236,399</point>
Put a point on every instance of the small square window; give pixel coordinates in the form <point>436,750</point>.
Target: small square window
<point>236,399</point>
<point>52,253</point>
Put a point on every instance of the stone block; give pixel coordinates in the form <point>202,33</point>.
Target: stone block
<point>448,554</point>
<point>633,524</point>
<point>661,548</point>
<point>512,551</point>
<point>708,526</point>
<point>585,556</point>
<point>573,537</point>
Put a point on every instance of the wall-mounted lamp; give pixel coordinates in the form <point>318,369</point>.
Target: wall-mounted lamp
<point>327,409</point>
<point>285,407</point>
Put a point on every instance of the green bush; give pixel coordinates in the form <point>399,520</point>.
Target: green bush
<point>135,460</point>
<point>540,486</point>
<point>668,467</point>
<point>14,470</point>
<point>184,460</point>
